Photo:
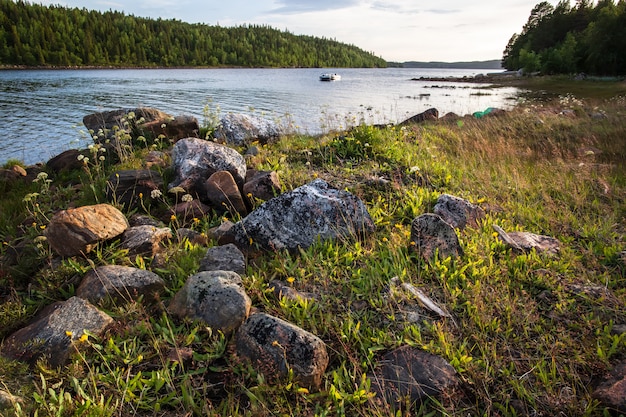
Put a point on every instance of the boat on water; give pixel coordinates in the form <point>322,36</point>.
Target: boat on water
<point>330,77</point>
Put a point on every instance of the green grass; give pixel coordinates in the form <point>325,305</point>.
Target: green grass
<point>525,339</point>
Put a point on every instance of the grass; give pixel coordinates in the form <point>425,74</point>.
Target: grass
<point>530,333</point>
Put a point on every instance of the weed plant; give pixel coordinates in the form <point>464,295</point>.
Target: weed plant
<point>530,334</point>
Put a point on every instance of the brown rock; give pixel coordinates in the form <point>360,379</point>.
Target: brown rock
<point>65,161</point>
<point>223,193</point>
<point>75,231</point>
<point>263,185</point>
<point>612,390</point>
<point>173,129</point>
<point>145,240</point>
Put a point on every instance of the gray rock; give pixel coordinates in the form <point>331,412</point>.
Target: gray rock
<point>275,346</point>
<point>192,236</point>
<point>430,234</point>
<point>263,185</point>
<point>52,334</point>
<point>224,258</point>
<point>612,390</point>
<point>413,375</point>
<point>195,160</point>
<point>145,240</point>
<point>119,283</point>
<point>240,130</point>
<point>298,218</point>
<point>282,289</point>
<point>526,241</point>
<point>215,297</point>
<point>224,195</point>
<point>458,212</point>
<point>75,231</point>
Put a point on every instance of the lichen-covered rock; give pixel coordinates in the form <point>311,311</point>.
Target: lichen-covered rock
<point>458,212</point>
<point>300,217</point>
<point>241,129</point>
<point>215,297</point>
<point>195,160</point>
<point>224,258</point>
<point>145,240</point>
<point>75,231</point>
<point>526,241</point>
<point>275,346</point>
<point>51,335</point>
<point>409,373</point>
<point>430,234</point>
<point>107,120</point>
<point>119,283</point>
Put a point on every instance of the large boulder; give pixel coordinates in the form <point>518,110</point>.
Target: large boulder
<point>195,160</point>
<point>215,297</point>
<point>119,283</point>
<point>458,212</point>
<point>241,130</point>
<point>275,347</point>
<point>54,332</point>
<point>75,231</point>
<point>430,234</point>
<point>300,217</point>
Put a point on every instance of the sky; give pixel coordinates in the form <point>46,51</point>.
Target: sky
<point>395,30</point>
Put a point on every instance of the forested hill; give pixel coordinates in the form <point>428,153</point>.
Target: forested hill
<point>37,35</point>
<point>563,39</point>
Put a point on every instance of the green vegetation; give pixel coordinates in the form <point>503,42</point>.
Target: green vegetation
<point>36,35</point>
<point>567,40</point>
<point>530,333</point>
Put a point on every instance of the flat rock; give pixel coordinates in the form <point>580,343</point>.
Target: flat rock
<point>298,218</point>
<point>195,160</point>
<point>526,241</point>
<point>275,346</point>
<point>215,297</point>
<point>52,334</point>
<point>458,212</point>
<point>224,258</point>
<point>241,129</point>
<point>413,375</point>
<point>145,240</point>
<point>75,231</point>
<point>224,195</point>
<point>172,129</point>
<point>430,234</point>
<point>119,283</point>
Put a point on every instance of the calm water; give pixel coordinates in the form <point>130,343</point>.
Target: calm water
<point>41,111</point>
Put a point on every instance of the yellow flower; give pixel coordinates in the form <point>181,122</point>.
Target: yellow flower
<point>140,195</point>
<point>291,280</point>
<point>413,243</point>
<point>385,239</point>
<point>173,217</point>
<point>69,333</point>
<point>83,338</point>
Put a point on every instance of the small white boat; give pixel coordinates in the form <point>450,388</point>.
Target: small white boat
<point>330,77</point>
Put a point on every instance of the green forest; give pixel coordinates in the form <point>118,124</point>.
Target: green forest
<point>55,36</point>
<point>562,39</point>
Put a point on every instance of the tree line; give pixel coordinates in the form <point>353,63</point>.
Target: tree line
<point>565,39</point>
<point>37,35</point>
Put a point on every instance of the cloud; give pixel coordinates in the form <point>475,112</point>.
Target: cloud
<point>300,6</point>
